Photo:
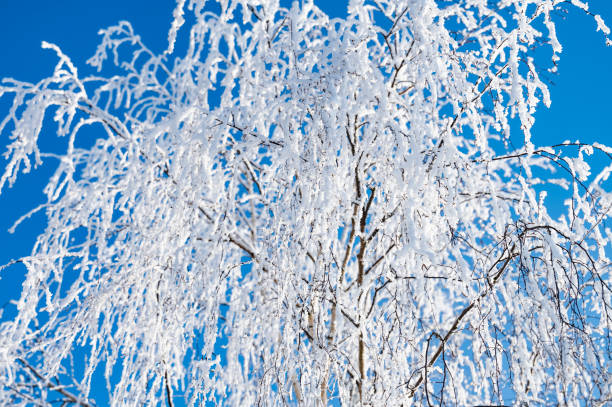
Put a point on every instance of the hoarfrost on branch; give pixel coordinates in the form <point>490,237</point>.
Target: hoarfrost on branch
<point>308,211</point>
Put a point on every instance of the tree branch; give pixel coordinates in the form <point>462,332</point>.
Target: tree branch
<point>53,387</point>
<point>463,313</point>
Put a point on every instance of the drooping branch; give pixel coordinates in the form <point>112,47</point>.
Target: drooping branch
<point>70,397</point>
<point>504,260</point>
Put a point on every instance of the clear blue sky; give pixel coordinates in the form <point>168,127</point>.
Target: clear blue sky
<point>581,97</point>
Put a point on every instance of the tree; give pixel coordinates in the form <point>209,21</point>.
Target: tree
<point>311,211</point>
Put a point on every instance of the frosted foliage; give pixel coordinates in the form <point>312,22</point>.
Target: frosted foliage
<point>300,210</point>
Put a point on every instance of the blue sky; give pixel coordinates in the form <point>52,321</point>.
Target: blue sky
<point>581,102</point>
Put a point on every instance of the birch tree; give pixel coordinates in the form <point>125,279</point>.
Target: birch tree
<point>305,210</point>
